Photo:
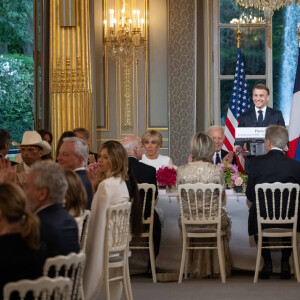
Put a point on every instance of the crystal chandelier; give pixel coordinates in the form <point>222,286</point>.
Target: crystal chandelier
<point>124,30</point>
<point>267,6</point>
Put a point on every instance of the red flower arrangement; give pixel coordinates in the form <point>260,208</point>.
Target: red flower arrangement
<point>166,175</point>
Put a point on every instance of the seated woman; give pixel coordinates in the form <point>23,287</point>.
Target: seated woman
<point>75,199</point>
<point>112,189</point>
<point>152,141</point>
<point>205,263</point>
<point>20,257</point>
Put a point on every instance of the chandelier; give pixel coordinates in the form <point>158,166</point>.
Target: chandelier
<point>267,6</point>
<point>124,30</point>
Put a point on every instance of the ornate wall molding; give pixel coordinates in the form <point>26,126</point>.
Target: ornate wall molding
<point>182,79</point>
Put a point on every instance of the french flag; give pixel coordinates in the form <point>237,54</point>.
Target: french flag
<point>294,128</point>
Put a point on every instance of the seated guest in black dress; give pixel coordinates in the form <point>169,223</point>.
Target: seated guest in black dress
<point>20,257</point>
<point>45,187</point>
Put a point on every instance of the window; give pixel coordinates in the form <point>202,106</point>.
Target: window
<point>16,67</point>
<point>269,48</point>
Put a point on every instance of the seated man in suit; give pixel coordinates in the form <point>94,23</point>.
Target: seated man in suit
<point>216,132</point>
<point>45,187</point>
<point>85,135</point>
<point>271,167</point>
<point>144,174</point>
<point>260,116</point>
<point>73,155</point>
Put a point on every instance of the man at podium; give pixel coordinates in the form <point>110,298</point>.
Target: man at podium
<point>260,116</point>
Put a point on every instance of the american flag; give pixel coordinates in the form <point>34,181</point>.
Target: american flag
<point>294,128</point>
<point>238,104</point>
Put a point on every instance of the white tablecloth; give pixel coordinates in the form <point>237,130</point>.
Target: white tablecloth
<point>243,256</point>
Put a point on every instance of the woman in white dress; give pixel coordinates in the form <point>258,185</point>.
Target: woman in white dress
<point>152,141</point>
<point>113,166</point>
<point>75,199</point>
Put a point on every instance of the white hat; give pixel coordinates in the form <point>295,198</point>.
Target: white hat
<point>33,138</point>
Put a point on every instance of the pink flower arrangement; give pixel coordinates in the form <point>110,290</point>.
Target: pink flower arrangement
<point>232,175</point>
<point>166,175</point>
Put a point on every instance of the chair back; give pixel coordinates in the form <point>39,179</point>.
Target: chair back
<point>71,265</point>
<point>117,229</point>
<point>85,229</point>
<point>147,191</point>
<point>200,204</point>
<point>42,288</point>
<point>277,203</point>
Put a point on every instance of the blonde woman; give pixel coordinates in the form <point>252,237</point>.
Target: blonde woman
<point>112,189</point>
<point>204,263</point>
<point>20,257</point>
<point>152,141</point>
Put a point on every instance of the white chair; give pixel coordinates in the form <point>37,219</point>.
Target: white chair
<point>117,234</point>
<point>85,229</point>
<point>147,234</point>
<point>71,266</point>
<point>273,200</point>
<point>201,220</point>
<point>42,288</point>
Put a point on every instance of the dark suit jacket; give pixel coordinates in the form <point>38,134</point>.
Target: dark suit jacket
<point>224,153</point>
<point>58,230</point>
<point>269,168</point>
<point>88,187</point>
<point>272,117</point>
<point>144,174</point>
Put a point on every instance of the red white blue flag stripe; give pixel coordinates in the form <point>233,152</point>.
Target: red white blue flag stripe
<point>238,104</point>
<point>294,127</point>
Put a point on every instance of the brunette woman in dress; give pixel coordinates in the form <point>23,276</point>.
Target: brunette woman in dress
<point>76,198</point>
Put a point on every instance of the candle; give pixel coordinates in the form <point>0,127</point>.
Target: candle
<point>111,18</point>
<point>130,23</point>
<point>138,18</point>
<point>115,22</point>
<point>143,27</point>
<point>105,28</point>
<point>134,18</point>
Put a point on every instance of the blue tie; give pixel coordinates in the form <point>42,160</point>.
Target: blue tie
<point>218,160</point>
<point>260,118</point>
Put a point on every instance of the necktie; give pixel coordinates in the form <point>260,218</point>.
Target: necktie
<point>218,160</point>
<point>260,117</point>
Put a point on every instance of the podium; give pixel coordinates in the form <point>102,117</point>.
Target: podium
<point>254,138</point>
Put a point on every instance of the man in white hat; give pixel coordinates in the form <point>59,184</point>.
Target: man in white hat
<point>32,149</point>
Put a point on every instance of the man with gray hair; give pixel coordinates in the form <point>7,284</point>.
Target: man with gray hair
<point>269,168</point>
<point>216,132</point>
<point>45,187</point>
<point>73,155</point>
<point>143,174</point>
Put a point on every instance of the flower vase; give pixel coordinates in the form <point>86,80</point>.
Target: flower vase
<point>238,188</point>
<point>170,188</point>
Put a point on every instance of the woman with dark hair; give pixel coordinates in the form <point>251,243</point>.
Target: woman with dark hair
<point>60,141</point>
<point>204,263</point>
<point>76,198</point>
<point>46,136</point>
<point>20,257</point>
<point>112,189</point>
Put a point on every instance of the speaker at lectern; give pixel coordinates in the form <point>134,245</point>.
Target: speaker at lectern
<point>253,138</point>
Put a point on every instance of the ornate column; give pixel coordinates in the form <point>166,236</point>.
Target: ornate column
<point>70,69</point>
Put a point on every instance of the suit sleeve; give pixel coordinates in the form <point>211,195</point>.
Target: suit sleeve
<point>280,119</point>
<point>250,192</point>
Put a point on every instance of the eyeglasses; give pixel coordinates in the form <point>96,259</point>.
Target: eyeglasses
<point>29,148</point>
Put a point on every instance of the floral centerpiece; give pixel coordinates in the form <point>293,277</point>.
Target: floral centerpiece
<point>233,178</point>
<point>166,176</point>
